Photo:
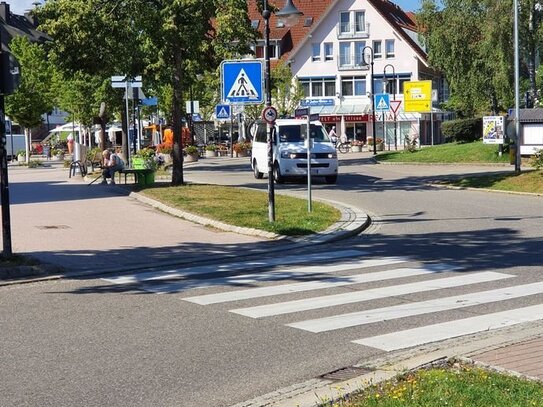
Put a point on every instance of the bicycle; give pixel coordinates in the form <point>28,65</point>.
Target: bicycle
<point>344,147</point>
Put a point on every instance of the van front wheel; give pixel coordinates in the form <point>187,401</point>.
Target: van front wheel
<point>277,174</point>
<point>331,179</point>
<point>257,174</point>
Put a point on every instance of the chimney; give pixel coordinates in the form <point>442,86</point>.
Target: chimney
<point>4,12</point>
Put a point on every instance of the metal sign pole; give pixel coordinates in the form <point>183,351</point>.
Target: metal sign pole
<point>308,141</point>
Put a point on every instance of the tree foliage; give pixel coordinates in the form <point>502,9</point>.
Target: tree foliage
<point>467,41</point>
<point>471,42</point>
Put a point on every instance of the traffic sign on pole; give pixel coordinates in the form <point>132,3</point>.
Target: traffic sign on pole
<point>395,105</point>
<point>222,112</point>
<point>382,102</point>
<point>269,114</point>
<point>242,81</point>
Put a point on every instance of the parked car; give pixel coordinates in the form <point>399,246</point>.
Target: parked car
<point>290,153</point>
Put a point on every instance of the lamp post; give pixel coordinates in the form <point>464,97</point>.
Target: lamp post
<point>517,86</point>
<point>290,15</point>
<point>372,95</point>
<point>393,97</point>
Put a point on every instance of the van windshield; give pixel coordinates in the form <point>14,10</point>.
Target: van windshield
<point>297,133</point>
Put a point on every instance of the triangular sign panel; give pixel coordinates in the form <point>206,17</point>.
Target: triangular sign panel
<point>242,86</point>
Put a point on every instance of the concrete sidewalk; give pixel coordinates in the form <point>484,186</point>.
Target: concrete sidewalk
<point>94,229</point>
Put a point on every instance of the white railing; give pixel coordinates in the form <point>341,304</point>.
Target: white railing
<point>353,30</point>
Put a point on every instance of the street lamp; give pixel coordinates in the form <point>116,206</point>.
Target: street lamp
<point>517,86</point>
<point>290,15</point>
<point>393,98</point>
<point>372,95</point>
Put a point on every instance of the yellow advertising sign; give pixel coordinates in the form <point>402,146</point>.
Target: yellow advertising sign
<point>417,96</point>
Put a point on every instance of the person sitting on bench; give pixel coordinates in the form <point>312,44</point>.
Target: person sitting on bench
<point>112,163</point>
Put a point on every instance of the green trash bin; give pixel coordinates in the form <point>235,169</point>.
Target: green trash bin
<point>150,178</point>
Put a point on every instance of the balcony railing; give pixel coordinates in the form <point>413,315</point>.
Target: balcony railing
<point>349,62</point>
<point>353,30</point>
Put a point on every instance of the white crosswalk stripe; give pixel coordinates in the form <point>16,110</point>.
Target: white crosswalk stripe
<point>387,282</point>
<point>453,329</point>
<point>328,282</point>
<point>248,265</point>
<point>271,275</point>
<point>359,296</point>
<point>418,308</point>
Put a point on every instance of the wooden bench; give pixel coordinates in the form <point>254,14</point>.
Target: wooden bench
<point>137,172</point>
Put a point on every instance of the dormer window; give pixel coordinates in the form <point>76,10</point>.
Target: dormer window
<point>308,21</point>
<point>255,24</point>
<point>280,24</point>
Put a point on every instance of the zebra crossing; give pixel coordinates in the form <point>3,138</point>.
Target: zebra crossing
<point>385,276</point>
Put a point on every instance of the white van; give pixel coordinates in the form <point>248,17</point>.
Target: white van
<point>290,153</point>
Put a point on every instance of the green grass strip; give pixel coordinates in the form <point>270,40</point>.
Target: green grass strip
<point>475,152</point>
<point>247,208</point>
<point>455,385</point>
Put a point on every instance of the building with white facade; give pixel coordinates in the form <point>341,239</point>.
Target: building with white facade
<point>330,51</point>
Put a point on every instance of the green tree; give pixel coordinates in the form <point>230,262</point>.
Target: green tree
<point>286,90</point>
<point>33,98</point>
<point>476,59</point>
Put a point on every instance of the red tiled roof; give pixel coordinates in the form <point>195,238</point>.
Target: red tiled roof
<point>293,36</point>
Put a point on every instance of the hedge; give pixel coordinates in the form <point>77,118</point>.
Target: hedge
<point>462,130</point>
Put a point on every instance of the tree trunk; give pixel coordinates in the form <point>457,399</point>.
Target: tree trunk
<point>177,167</point>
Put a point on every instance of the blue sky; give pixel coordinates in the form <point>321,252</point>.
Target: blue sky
<point>408,5</point>
<point>19,6</point>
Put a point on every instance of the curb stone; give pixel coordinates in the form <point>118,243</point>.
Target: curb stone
<point>353,221</point>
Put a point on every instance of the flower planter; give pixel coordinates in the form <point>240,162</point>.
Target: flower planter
<point>211,153</point>
<point>59,157</point>
<point>21,158</point>
<point>190,158</point>
<point>356,149</point>
<point>242,153</point>
<point>147,179</point>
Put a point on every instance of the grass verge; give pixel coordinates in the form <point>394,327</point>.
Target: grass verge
<point>475,152</point>
<point>454,384</point>
<point>247,208</point>
<point>529,181</point>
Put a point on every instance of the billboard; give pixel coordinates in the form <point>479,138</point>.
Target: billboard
<point>493,129</point>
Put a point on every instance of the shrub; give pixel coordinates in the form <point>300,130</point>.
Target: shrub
<point>211,147</point>
<point>370,141</point>
<point>462,130</point>
<point>191,149</point>
<point>239,147</point>
<point>57,151</point>
<point>536,160</point>
<point>34,164</point>
<point>357,143</point>
<point>21,152</point>
<point>164,148</point>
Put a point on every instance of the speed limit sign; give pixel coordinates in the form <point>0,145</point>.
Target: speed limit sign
<point>269,114</point>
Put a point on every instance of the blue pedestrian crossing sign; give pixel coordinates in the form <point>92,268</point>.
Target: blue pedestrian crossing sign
<point>242,82</point>
<point>222,112</point>
<point>382,102</point>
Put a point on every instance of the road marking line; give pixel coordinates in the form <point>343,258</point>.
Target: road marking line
<point>453,329</point>
<point>418,308</point>
<point>328,282</point>
<point>214,268</point>
<point>271,275</point>
<point>360,296</point>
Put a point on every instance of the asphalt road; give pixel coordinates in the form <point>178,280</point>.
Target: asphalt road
<point>91,342</point>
